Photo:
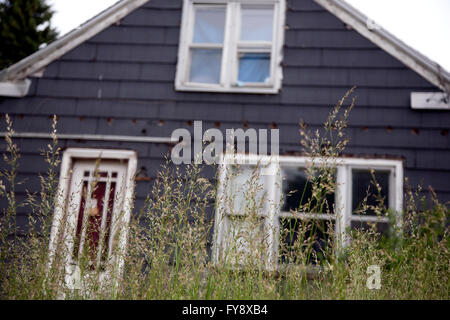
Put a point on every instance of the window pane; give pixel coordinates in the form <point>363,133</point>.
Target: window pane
<point>297,191</point>
<point>245,240</point>
<point>254,67</point>
<point>209,24</point>
<point>80,218</point>
<point>256,23</point>
<point>94,220</point>
<point>246,191</point>
<point>304,240</point>
<point>205,65</point>
<point>363,185</point>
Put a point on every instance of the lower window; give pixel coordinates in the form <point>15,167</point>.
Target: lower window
<point>281,212</point>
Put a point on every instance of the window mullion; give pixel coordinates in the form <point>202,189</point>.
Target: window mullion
<point>275,47</point>
<point>220,216</point>
<point>398,194</point>
<point>187,41</point>
<point>206,46</point>
<point>249,45</point>
<point>343,204</point>
<point>272,224</point>
<point>87,206</point>
<point>227,46</point>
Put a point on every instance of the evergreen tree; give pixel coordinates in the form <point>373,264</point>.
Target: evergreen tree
<point>24,27</point>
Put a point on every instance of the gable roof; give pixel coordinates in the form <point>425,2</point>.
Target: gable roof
<point>43,57</point>
<point>424,66</point>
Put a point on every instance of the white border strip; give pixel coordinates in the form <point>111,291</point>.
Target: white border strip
<point>16,89</point>
<point>97,137</point>
<point>430,100</point>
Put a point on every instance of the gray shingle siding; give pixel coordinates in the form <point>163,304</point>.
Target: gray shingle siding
<point>121,82</point>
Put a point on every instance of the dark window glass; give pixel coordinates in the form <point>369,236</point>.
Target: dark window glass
<point>297,190</point>
<point>94,220</point>
<point>103,174</point>
<point>307,238</point>
<point>363,185</point>
<point>380,227</point>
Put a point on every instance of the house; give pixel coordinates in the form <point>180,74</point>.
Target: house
<point>121,83</point>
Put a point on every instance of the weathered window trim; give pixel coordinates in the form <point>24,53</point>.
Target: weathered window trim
<point>343,216</point>
<point>67,164</point>
<point>229,63</point>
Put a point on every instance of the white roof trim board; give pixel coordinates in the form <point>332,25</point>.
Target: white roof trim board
<point>34,63</point>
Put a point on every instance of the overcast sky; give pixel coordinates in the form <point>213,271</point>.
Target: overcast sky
<point>423,24</point>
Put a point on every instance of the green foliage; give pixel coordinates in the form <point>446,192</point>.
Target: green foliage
<point>167,254</point>
<point>24,27</point>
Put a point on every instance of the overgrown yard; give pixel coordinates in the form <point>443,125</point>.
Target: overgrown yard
<point>168,252</point>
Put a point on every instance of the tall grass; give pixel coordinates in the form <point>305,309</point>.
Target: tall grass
<point>168,254</point>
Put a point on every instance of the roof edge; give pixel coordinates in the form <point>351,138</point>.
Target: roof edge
<point>41,58</point>
<point>415,60</point>
<point>412,58</point>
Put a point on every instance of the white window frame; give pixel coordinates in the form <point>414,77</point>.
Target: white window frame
<point>231,44</point>
<point>124,205</point>
<point>343,195</point>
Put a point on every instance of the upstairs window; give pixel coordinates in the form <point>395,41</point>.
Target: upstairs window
<point>231,46</point>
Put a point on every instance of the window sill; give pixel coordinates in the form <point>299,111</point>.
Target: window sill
<point>219,89</point>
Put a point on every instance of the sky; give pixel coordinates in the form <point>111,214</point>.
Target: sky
<point>422,24</point>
